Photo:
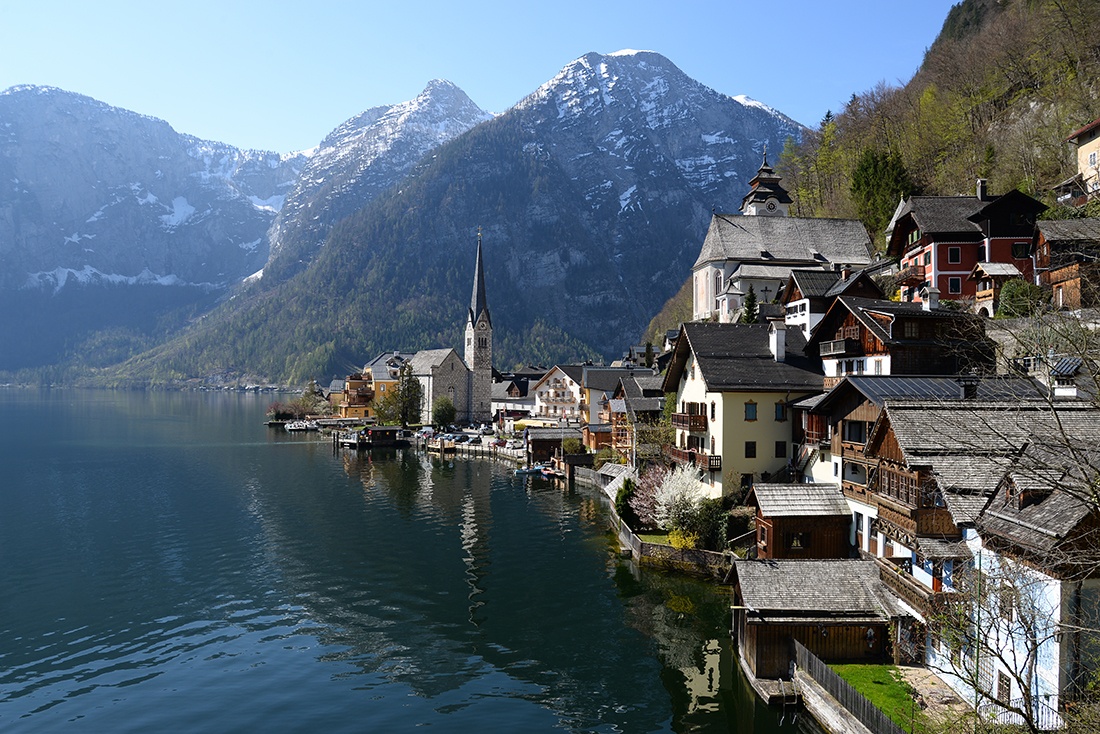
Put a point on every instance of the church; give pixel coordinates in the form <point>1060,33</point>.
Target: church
<point>762,243</point>
<point>441,372</point>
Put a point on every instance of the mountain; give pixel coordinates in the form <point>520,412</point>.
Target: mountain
<point>360,159</point>
<point>594,193</point>
<point>115,230</point>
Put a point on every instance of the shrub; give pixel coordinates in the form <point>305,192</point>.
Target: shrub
<point>622,504</point>
<point>682,539</point>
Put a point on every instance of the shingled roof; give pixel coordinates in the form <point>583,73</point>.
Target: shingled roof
<point>790,240</point>
<point>813,589</point>
<point>738,357</point>
<point>799,500</point>
<point>1057,231</point>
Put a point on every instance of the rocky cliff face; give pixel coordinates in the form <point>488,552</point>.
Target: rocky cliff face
<point>359,160</point>
<point>95,194</point>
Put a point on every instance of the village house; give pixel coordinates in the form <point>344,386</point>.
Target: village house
<point>1067,253</point>
<point>864,336</point>
<point>761,246</point>
<point>801,521</point>
<point>558,394</point>
<point>989,279</point>
<point>733,385</point>
<point>1076,190</point>
<point>637,401</point>
<point>937,240</point>
<point>354,398</point>
<point>809,293</point>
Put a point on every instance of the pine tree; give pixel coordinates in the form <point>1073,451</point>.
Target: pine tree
<point>749,311</point>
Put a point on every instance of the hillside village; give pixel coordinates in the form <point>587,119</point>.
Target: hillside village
<point>897,446</point>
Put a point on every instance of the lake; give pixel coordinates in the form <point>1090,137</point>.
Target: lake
<point>170,564</point>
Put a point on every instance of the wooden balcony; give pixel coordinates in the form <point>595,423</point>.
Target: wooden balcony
<point>914,275</point>
<point>689,422</point>
<point>698,459</point>
<point>896,576</point>
<point>841,348</point>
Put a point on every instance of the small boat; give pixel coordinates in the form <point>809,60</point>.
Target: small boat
<point>529,470</point>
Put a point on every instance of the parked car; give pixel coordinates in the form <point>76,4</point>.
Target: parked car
<point>486,430</point>
<point>498,442</point>
<point>461,438</point>
<point>515,443</point>
<point>474,441</point>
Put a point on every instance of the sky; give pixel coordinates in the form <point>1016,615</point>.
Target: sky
<point>280,75</point>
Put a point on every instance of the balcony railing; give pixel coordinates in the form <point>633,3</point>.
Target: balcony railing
<point>908,589</point>
<point>700,459</point>
<point>689,422</point>
<point>840,347</point>
<point>912,275</point>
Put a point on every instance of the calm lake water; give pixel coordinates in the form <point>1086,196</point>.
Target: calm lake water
<point>169,564</point>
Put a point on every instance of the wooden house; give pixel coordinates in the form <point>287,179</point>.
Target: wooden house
<point>1067,254</point>
<point>863,336</point>
<point>807,295</point>
<point>989,278</point>
<point>838,609</point>
<point>801,521</point>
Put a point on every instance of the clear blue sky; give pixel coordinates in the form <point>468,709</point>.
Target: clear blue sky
<point>279,75</point>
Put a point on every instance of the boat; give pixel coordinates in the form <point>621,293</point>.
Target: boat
<point>528,470</point>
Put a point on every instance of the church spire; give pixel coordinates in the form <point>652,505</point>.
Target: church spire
<point>477,300</point>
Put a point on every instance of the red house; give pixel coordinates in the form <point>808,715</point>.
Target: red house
<point>938,240</point>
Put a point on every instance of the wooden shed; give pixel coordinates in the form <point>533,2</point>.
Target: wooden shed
<point>801,521</point>
<point>839,609</point>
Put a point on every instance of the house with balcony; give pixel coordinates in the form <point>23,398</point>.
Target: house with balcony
<point>937,240</point>
<point>559,396</point>
<point>598,385</point>
<point>636,403</point>
<point>988,279</point>
<point>1086,183</point>
<point>1067,253</point>
<point>733,386</point>
<point>864,336</point>
<point>808,294</point>
<point>760,245</point>
<point>355,397</point>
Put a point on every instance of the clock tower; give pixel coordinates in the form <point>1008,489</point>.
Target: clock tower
<point>766,197</point>
<point>479,347</point>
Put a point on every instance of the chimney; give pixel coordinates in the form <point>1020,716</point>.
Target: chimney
<point>981,193</point>
<point>931,298</point>
<point>845,272</point>
<point>777,339</point>
<point>968,386</point>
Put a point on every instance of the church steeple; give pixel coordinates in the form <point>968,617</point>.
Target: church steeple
<point>766,197</point>
<point>479,345</point>
<point>477,300</point>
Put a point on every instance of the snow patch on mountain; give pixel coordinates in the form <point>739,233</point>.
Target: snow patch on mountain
<point>58,278</point>
<point>180,213</point>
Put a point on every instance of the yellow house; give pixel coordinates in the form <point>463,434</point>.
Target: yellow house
<point>734,384</point>
<point>1087,140</point>
<point>356,398</point>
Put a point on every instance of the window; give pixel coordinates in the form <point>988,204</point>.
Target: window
<point>911,330</point>
<point>1004,688</point>
<point>855,431</point>
<point>750,411</point>
<point>836,468</point>
<point>878,366</point>
<point>1092,159</point>
<point>763,535</point>
<point>712,410</point>
<point>798,541</point>
<point>954,255</point>
<point>781,449</point>
<point>781,411</point>
<point>955,285</point>
<point>928,258</point>
<point>381,387</point>
<point>981,253</point>
<point>750,449</point>
<point>1021,250</point>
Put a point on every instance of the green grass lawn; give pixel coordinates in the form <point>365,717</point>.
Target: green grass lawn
<point>660,538</point>
<point>884,687</point>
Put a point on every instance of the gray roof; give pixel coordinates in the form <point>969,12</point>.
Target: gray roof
<point>800,588</point>
<point>1038,528</point>
<point>1070,230</point>
<point>793,240</point>
<point>734,357</point>
<point>998,270</point>
<point>753,270</point>
<point>424,360</point>
<point>863,308</point>
<point>942,213</point>
<point>381,367</point>
<point>607,379</point>
<point>965,508</point>
<point>880,388</point>
<point>553,434</point>
<point>941,548</point>
<point>800,500</point>
<point>814,283</point>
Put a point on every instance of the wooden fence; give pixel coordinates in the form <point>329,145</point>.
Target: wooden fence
<point>868,714</point>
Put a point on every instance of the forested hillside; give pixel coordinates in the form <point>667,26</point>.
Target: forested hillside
<point>1002,86</point>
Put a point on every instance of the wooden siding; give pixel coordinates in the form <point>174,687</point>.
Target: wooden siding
<point>817,537</point>
<point>766,646</point>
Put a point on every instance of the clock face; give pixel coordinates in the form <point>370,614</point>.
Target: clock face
<point>481,325</point>
<point>771,206</point>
